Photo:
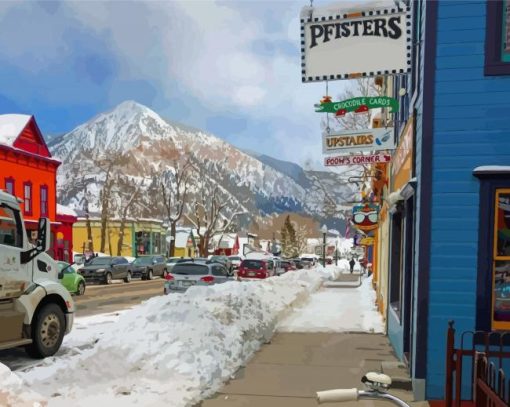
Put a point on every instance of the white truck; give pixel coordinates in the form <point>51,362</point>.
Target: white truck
<point>36,311</point>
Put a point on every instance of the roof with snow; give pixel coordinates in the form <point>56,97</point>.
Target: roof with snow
<point>225,240</point>
<point>11,126</point>
<point>181,238</point>
<point>65,210</point>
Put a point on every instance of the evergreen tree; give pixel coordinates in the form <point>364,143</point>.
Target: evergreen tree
<point>289,240</point>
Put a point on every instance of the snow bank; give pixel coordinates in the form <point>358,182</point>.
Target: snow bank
<point>174,350</point>
<point>13,393</point>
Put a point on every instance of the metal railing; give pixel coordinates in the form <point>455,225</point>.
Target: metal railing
<point>494,346</point>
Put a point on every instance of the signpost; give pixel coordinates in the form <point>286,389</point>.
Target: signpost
<point>343,46</point>
<point>336,161</point>
<point>365,217</point>
<point>358,141</point>
<point>357,105</point>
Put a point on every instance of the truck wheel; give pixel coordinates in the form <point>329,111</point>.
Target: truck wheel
<point>108,278</point>
<point>149,275</point>
<point>128,277</point>
<point>48,328</point>
<point>81,288</point>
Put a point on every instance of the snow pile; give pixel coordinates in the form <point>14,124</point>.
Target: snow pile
<point>174,350</point>
<point>337,310</point>
<point>12,393</point>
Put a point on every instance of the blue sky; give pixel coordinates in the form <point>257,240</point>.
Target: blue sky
<point>229,67</point>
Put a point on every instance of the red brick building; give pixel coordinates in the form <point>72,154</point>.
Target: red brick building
<point>28,171</point>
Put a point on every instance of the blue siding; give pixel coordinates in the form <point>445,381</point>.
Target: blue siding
<point>470,129</point>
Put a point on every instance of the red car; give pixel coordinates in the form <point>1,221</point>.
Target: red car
<point>256,269</point>
<point>288,265</point>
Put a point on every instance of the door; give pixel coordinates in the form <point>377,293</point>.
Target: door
<point>117,269</point>
<point>160,265</point>
<point>408,293</point>
<point>123,267</point>
<point>14,276</point>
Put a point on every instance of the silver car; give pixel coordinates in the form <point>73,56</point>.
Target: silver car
<point>185,275</point>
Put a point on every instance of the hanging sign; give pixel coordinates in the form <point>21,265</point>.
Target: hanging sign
<point>358,141</point>
<point>336,161</point>
<point>366,216</point>
<point>357,105</point>
<point>336,45</point>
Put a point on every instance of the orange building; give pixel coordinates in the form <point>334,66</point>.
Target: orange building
<point>28,171</point>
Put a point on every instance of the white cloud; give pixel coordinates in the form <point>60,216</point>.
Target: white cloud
<point>209,49</point>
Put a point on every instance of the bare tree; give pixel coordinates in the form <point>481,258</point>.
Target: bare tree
<point>210,209</point>
<point>104,198</point>
<point>131,200</point>
<point>85,202</point>
<point>174,190</point>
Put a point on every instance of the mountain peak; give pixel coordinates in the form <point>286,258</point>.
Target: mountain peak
<point>130,108</point>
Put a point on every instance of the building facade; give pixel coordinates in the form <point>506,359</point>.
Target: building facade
<point>449,200</point>
<point>29,172</point>
<point>140,237</point>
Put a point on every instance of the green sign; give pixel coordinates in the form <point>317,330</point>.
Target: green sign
<point>357,105</point>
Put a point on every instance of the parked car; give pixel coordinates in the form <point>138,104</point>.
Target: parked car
<point>288,265</point>
<point>308,262</point>
<point>72,280</point>
<point>185,275</point>
<point>172,261</point>
<point>297,263</point>
<point>224,260</point>
<point>147,267</point>
<point>236,261</point>
<point>107,268</point>
<point>254,268</point>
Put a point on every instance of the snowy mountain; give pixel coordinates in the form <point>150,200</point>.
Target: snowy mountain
<point>147,145</point>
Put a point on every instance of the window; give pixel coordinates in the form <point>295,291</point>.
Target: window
<point>27,189</point>
<point>396,273</point>
<point>9,185</point>
<point>497,38</point>
<point>11,231</point>
<point>44,200</point>
<point>501,261</point>
<point>219,271</point>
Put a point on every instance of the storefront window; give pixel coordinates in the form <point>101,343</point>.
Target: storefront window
<point>157,243</point>
<point>501,261</point>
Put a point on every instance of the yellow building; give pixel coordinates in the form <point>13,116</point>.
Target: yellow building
<point>141,236</point>
<point>185,245</point>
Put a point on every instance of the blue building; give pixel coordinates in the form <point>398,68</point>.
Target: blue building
<point>452,222</point>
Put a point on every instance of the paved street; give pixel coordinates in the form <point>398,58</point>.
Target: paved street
<point>99,299</point>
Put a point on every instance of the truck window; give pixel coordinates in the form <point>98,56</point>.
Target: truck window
<point>10,228</point>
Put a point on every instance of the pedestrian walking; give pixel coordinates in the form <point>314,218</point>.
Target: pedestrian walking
<point>352,263</point>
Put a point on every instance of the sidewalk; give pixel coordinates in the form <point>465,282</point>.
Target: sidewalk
<point>289,370</point>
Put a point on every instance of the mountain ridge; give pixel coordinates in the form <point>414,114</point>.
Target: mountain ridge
<point>148,143</point>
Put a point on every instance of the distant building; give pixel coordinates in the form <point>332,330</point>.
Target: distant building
<point>141,236</point>
<point>185,245</point>
<point>225,244</point>
<point>28,171</point>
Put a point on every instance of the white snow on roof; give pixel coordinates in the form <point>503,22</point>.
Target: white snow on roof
<point>492,168</point>
<point>11,125</point>
<point>65,210</point>
<point>181,238</point>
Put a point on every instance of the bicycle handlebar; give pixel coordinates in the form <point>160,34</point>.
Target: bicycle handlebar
<point>339,395</point>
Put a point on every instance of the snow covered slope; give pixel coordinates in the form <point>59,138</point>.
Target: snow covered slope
<point>148,144</point>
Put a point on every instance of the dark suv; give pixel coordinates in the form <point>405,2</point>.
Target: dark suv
<point>105,269</point>
<point>147,267</point>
